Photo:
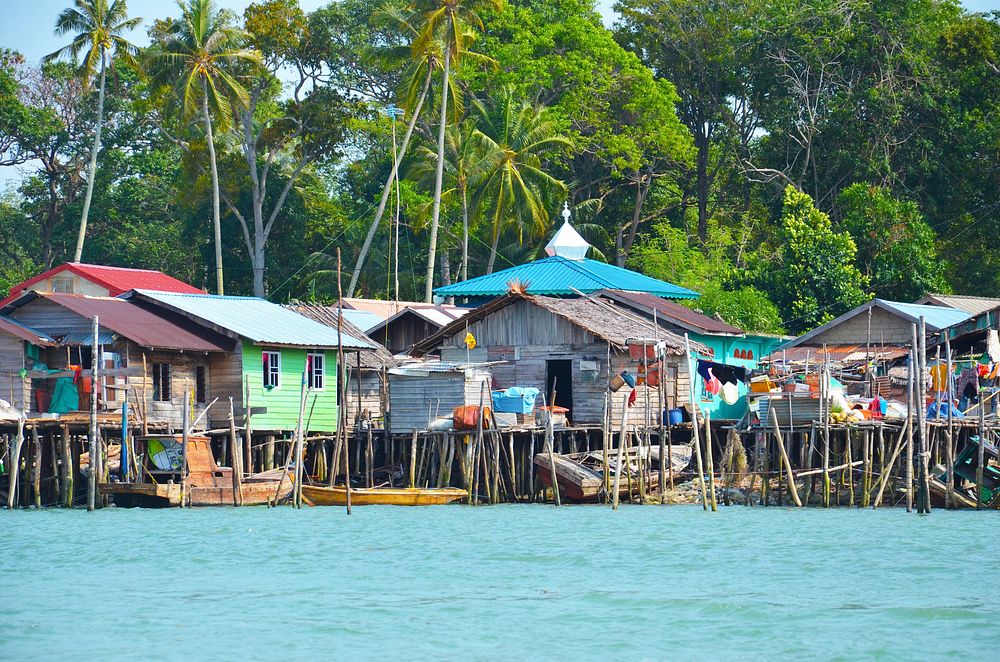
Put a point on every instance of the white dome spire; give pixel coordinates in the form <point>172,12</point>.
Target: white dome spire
<point>567,242</point>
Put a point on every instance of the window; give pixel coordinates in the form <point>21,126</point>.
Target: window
<point>161,382</point>
<point>315,367</point>
<point>271,363</point>
<point>201,384</point>
<point>62,285</point>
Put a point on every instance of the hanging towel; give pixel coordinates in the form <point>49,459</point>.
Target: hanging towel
<point>993,344</point>
<point>727,374</point>
<point>967,380</point>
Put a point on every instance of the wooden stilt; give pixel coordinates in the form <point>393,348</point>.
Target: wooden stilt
<point>36,467</point>
<point>709,453</point>
<point>237,459</point>
<point>792,490</point>
<point>67,468</point>
<point>619,462</point>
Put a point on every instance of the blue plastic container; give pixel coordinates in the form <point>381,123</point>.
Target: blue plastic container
<point>515,400</point>
<point>674,416</point>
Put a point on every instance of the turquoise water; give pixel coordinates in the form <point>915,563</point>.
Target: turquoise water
<point>501,582</point>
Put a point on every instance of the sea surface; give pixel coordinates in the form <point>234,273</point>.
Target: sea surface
<point>499,583</point>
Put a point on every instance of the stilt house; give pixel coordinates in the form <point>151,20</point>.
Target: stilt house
<point>571,346</point>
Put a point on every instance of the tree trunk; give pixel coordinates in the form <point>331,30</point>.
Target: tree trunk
<point>78,255</point>
<point>465,234</point>
<point>436,213</point>
<point>388,187</point>
<point>702,143</point>
<point>216,221</point>
<point>493,251</point>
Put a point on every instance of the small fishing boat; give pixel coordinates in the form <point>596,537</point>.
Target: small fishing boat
<point>381,496</point>
<point>966,470</point>
<point>581,475</point>
<point>206,483</point>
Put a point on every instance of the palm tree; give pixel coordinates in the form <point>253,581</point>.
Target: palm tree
<point>423,61</point>
<point>200,50</point>
<point>516,138</point>
<point>98,30</point>
<point>464,169</point>
<point>454,23</point>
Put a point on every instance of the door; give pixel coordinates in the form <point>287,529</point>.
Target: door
<point>559,375</point>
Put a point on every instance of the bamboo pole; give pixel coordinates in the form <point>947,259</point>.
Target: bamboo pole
<point>824,389</point>
<point>981,455</point>
<point>950,448</point>
<point>923,484</point>
<point>709,453</point>
<point>184,449</point>
<point>615,489</point>
<point>694,422</point>
<point>342,387</point>
<point>299,437</point>
<point>235,454</point>
<point>247,428</point>
<point>904,433</point>
<point>94,451</point>
<point>784,458</point>
<point>911,405</point>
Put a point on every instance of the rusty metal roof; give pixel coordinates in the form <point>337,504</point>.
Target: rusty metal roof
<point>668,311</point>
<point>24,332</point>
<point>137,323</point>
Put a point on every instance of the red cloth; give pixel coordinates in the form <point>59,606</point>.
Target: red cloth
<point>631,398</point>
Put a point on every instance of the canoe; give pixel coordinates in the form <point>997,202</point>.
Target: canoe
<point>581,475</point>
<point>385,496</point>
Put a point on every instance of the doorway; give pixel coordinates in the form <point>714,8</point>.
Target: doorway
<point>559,373</point>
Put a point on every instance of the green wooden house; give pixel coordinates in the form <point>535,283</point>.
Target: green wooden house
<point>276,351</point>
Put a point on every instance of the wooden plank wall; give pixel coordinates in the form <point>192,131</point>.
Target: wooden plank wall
<point>13,389</point>
<point>414,401</point>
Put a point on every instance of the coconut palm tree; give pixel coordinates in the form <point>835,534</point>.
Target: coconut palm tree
<point>465,167</point>
<point>516,138</point>
<point>201,55</point>
<point>97,29</point>
<point>422,63</point>
<point>454,22</point>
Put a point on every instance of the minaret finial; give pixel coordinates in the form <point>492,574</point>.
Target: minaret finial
<point>565,211</point>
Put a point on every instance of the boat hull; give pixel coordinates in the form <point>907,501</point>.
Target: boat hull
<point>385,496</point>
<point>255,491</point>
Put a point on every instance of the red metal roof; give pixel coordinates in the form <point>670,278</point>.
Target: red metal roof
<point>116,280</point>
<point>140,324</point>
<point>669,311</point>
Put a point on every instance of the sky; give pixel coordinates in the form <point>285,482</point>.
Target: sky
<point>26,26</point>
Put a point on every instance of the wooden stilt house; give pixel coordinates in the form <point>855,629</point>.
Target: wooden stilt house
<point>571,346</point>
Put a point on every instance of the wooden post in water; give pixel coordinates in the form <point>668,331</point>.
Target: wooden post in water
<point>94,450</point>
<point>342,386</point>
<point>184,449</point>
<point>923,485</point>
<point>236,455</point>
<point>247,432</point>
<point>709,453</point>
<point>950,447</point>
<point>15,464</point>
<point>824,409</point>
<point>694,422</point>
<point>550,440</point>
<point>784,458</point>
<point>911,404</point>
<point>620,457</point>
<point>67,468</point>
<point>36,467</point>
<point>981,454</point>
<point>299,439</point>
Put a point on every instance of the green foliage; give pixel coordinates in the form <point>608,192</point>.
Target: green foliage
<point>896,248</point>
<point>813,277</point>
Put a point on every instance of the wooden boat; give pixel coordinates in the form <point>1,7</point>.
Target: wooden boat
<point>207,483</point>
<point>385,496</point>
<point>581,475</point>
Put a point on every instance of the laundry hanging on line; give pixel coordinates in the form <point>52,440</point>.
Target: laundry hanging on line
<point>727,374</point>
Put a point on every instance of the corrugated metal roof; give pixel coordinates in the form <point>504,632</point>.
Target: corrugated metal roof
<point>255,319</point>
<point>439,316</point>
<point>669,311</point>
<point>970,304</point>
<point>116,280</point>
<point>376,358</point>
<point>936,317</point>
<point>362,319</point>
<point>560,276</point>
<point>24,332</point>
<point>133,321</point>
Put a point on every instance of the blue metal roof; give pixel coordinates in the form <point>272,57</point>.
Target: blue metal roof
<point>362,319</point>
<point>255,319</point>
<point>559,275</point>
<point>935,317</point>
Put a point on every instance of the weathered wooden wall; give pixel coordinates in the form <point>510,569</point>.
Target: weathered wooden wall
<point>416,400</point>
<point>15,390</point>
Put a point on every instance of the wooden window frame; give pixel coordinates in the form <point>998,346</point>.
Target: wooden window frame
<point>273,368</point>
<point>311,372</point>
<point>158,382</point>
<point>201,384</point>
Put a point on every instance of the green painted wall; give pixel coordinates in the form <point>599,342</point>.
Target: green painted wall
<point>724,347</point>
<point>282,402</point>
